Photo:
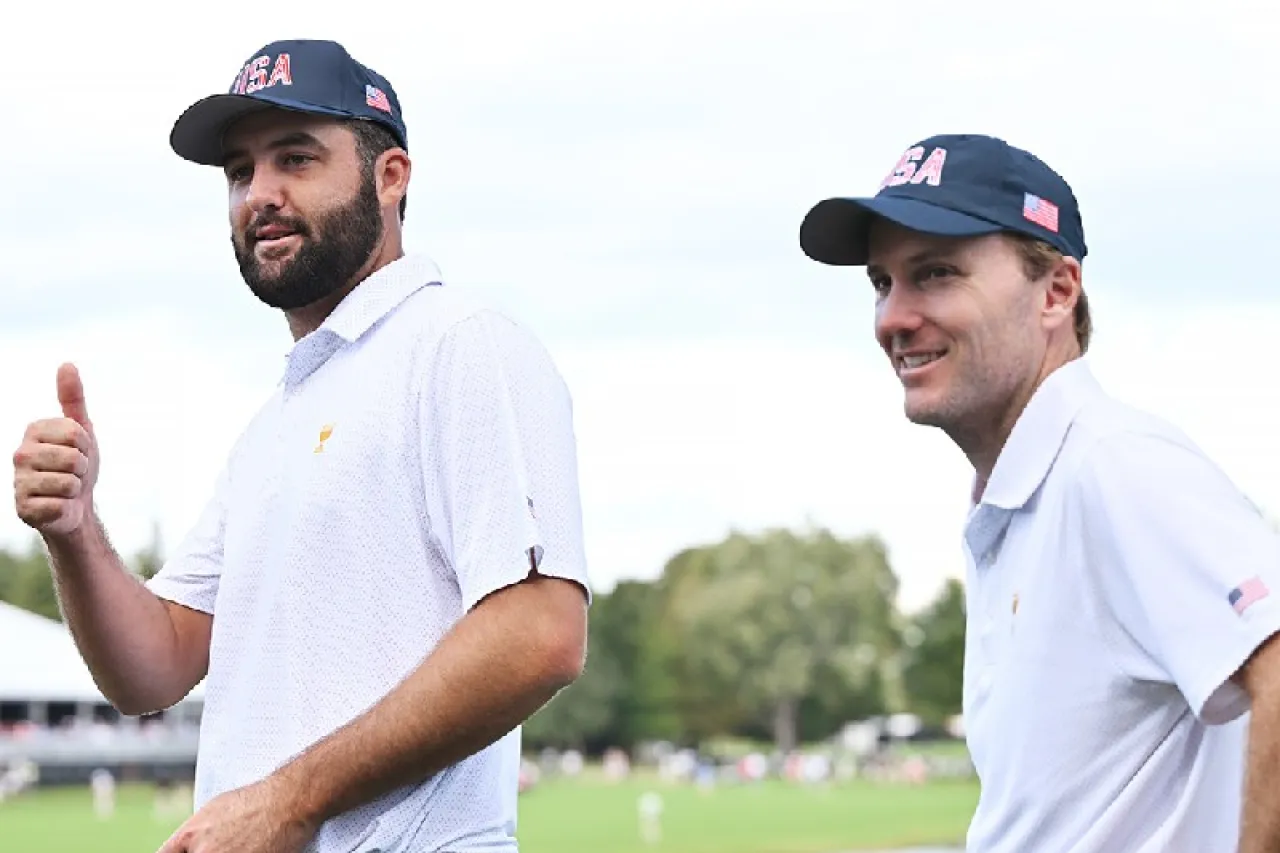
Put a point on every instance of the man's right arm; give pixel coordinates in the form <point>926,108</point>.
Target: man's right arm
<point>145,653</point>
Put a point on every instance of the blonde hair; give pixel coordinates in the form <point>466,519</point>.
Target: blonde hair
<point>1038,257</point>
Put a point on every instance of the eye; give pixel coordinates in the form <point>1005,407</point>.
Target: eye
<point>296,159</point>
<point>238,174</point>
<point>880,284</point>
<point>935,273</point>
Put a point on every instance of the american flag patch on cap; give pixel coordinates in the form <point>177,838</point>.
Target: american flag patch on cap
<point>376,98</point>
<point>1248,593</point>
<point>1041,212</point>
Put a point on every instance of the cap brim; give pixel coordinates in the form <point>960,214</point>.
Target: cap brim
<point>837,230</point>
<point>197,134</point>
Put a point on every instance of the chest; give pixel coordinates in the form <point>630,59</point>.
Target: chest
<point>335,458</point>
<point>1033,632</point>
<point>1043,692</point>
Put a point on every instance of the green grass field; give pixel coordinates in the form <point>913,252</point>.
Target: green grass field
<point>583,817</point>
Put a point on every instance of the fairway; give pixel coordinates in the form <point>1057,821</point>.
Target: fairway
<point>585,817</point>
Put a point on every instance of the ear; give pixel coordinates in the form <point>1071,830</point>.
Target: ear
<point>1061,293</point>
<point>392,176</point>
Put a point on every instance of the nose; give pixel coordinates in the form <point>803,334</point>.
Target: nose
<point>897,316</point>
<point>265,190</point>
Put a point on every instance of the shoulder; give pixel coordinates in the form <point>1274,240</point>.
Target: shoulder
<point>466,345</point>
<point>1110,437</point>
<point>447,316</point>
<point>1123,462</point>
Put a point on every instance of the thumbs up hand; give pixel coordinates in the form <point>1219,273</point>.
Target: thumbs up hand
<point>56,466</point>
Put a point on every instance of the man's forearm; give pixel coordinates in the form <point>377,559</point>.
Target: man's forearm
<point>123,631</point>
<point>1260,825</point>
<point>494,669</point>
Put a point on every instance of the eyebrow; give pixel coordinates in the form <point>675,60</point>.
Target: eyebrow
<point>921,257</point>
<point>298,138</point>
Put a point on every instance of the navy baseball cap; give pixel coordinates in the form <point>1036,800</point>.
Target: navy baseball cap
<point>302,75</point>
<point>955,185</point>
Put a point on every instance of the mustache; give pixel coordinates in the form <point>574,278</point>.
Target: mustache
<point>294,224</point>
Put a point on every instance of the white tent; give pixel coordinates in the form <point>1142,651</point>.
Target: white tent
<point>40,662</point>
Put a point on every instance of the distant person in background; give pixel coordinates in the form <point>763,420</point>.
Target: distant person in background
<point>103,785</point>
<point>649,810</point>
<point>1121,592</point>
<point>389,578</point>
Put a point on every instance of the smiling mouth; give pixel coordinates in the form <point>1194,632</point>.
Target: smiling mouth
<point>917,360</point>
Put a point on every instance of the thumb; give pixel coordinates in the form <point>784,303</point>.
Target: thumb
<point>71,396</point>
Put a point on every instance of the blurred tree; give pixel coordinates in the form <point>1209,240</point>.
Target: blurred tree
<point>629,636</point>
<point>834,701</point>
<point>653,706</point>
<point>9,570</point>
<point>934,670</point>
<point>765,618</point>
<point>703,700</point>
<point>25,581</point>
<point>150,559</point>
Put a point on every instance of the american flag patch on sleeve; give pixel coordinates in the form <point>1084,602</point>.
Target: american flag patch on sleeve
<point>1246,594</point>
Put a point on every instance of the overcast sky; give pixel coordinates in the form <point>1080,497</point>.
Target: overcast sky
<point>629,182</point>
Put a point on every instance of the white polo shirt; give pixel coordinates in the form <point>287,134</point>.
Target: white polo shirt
<point>1102,633</point>
<point>419,447</point>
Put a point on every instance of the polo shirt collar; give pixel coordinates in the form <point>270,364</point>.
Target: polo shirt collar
<point>358,312</point>
<point>1038,434</point>
<point>379,294</point>
<point>1029,452</point>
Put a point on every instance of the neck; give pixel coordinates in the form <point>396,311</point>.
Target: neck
<point>983,440</point>
<point>303,321</point>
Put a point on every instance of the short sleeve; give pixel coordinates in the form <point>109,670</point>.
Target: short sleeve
<point>1191,568</point>
<point>500,458</point>
<point>191,573</point>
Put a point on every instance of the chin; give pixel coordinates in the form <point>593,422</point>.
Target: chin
<point>273,266</point>
<point>921,409</point>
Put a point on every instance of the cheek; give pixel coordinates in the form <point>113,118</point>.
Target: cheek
<point>1017,328</point>
<point>957,318</point>
<point>877,327</point>
<point>986,322</point>
<point>238,213</point>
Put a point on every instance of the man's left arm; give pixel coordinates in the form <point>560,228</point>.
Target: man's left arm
<point>500,664</point>
<point>1260,823</point>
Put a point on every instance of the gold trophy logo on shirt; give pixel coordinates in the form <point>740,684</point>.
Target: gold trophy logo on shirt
<point>325,432</point>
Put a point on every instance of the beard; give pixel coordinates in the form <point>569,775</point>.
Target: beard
<point>333,251</point>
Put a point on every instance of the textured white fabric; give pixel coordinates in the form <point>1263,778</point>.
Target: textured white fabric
<point>418,451</point>
<point>1101,638</point>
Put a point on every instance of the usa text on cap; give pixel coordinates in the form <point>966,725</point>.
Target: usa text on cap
<point>955,185</point>
<point>301,75</point>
